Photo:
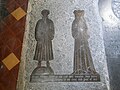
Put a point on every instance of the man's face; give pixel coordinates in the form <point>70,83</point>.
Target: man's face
<point>45,14</point>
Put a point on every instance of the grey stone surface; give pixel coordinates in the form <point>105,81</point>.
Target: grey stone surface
<point>112,40</point>
<point>111,29</point>
<point>61,12</point>
<point>112,48</point>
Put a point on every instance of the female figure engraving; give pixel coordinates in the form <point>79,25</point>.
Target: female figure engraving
<point>82,57</point>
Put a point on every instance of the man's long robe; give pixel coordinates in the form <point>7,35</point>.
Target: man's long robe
<point>44,34</point>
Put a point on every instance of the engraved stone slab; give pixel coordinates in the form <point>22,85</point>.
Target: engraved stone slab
<point>61,13</point>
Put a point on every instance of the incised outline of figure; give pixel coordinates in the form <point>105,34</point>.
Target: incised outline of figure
<point>83,66</point>
<point>83,63</point>
<point>44,34</point>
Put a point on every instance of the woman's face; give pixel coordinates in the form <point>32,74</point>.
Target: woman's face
<point>79,14</point>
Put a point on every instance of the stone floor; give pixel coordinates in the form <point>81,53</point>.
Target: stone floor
<point>12,27</point>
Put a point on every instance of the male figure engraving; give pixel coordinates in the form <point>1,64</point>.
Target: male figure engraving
<point>83,63</point>
<point>44,34</point>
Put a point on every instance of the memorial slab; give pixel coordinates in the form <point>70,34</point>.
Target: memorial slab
<point>81,68</point>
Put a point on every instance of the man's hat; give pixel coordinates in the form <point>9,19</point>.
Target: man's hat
<point>45,12</point>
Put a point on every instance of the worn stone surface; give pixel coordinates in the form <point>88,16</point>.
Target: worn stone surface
<point>112,48</point>
<point>111,33</point>
<point>61,13</point>
<point>112,40</point>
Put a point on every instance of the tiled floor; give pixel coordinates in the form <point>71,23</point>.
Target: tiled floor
<point>12,27</point>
